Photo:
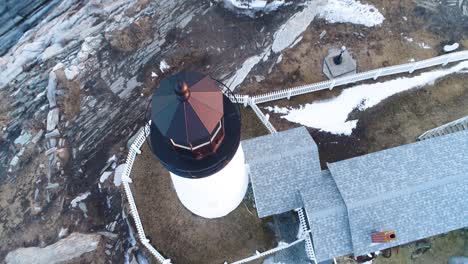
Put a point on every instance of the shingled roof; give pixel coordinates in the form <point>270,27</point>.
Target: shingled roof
<point>418,190</point>
<point>328,219</point>
<point>279,164</point>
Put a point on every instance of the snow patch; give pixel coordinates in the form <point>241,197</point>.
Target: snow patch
<point>296,42</point>
<point>350,11</point>
<point>113,158</point>
<point>250,8</point>
<point>408,39</point>
<point>63,232</point>
<point>118,174</point>
<point>254,4</point>
<point>293,28</point>
<point>79,198</point>
<point>280,58</point>
<point>423,45</point>
<point>104,176</point>
<point>278,110</point>
<point>247,66</point>
<point>331,115</point>
<point>449,48</point>
<point>163,66</point>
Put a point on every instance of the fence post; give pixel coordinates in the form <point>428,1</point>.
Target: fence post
<point>414,67</point>
<point>289,94</point>
<point>246,100</point>
<point>446,61</point>
<point>310,252</point>
<point>377,74</point>
<point>332,84</point>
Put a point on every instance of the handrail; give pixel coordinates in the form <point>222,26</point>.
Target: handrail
<point>134,150</point>
<point>451,127</point>
<point>348,79</point>
<point>268,252</point>
<point>261,116</point>
<point>310,252</point>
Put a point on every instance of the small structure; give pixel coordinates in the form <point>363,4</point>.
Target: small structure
<point>278,164</point>
<point>383,237</point>
<point>195,133</point>
<point>339,63</point>
<point>391,197</point>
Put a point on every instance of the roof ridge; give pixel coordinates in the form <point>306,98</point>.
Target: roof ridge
<point>400,192</point>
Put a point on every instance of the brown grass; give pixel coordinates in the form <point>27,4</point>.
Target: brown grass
<point>71,100</point>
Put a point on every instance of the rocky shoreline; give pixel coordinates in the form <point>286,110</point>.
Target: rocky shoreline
<point>75,88</point>
<point>17,17</point>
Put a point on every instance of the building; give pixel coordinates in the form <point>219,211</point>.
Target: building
<point>195,134</point>
<point>356,206</point>
<point>367,203</point>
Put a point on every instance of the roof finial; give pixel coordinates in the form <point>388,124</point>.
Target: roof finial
<point>182,90</point>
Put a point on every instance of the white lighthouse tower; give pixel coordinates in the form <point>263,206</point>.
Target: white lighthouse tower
<point>195,133</point>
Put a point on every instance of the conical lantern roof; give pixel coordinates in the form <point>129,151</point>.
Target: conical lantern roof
<point>187,107</point>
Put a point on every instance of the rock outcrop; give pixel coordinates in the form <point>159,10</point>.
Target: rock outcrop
<point>16,17</point>
<point>75,87</point>
<point>93,91</point>
<point>64,250</point>
<point>94,60</point>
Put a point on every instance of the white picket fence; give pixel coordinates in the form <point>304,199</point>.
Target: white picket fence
<point>300,212</point>
<point>373,74</point>
<point>454,126</point>
<point>308,241</point>
<point>261,116</point>
<point>288,93</point>
<point>134,150</point>
<point>268,252</point>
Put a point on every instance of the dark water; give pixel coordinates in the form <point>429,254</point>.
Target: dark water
<point>18,16</point>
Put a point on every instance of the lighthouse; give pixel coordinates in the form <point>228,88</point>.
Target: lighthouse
<point>195,134</point>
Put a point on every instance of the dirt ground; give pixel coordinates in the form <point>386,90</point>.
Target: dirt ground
<point>398,40</point>
<point>441,248</point>
<point>403,117</point>
<point>186,238</point>
<point>436,249</point>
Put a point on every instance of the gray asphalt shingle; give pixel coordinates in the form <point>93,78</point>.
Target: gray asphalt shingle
<point>279,164</point>
<point>418,190</point>
<point>327,216</point>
